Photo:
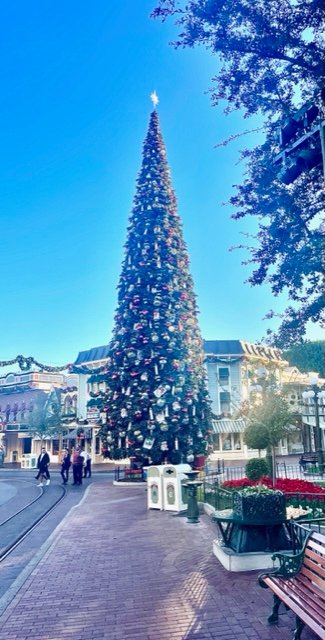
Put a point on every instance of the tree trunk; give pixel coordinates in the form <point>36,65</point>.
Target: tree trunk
<point>273,467</point>
<point>269,460</point>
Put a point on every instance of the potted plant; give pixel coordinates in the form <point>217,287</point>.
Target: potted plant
<point>259,505</point>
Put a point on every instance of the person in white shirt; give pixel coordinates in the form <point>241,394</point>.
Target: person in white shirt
<point>87,467</point>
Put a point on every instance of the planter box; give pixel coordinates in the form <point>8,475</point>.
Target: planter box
<point>199,462</point>
<point>263,508</point>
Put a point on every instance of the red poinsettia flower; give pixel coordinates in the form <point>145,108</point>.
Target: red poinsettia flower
<point>287,485</point>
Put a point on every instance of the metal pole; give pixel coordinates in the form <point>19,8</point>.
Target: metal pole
<point>318,432</point>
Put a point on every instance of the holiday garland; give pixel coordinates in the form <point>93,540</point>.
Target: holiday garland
<point>25,364</point>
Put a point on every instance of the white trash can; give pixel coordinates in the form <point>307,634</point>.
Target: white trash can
<point>154,487</point>
<point>28,461</point>
<point>174,492</point>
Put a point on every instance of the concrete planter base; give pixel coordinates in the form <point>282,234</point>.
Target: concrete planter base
<point>236,562</point>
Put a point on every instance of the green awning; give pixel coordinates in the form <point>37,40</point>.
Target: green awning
<point>228,426</point>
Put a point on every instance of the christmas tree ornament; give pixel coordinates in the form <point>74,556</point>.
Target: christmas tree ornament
<point>161,403</point>
<point>160,418</point>
<point>160,391</point>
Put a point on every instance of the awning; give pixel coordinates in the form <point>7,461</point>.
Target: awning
<point>310,421</point>
<point>228,426</point>
<point>74,434</point>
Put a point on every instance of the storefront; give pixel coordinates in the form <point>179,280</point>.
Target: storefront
<point>228,441</point>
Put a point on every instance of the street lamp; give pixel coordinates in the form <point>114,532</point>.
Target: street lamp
<point>315,396</point>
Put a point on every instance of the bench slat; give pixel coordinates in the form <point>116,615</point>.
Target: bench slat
<point>301,590</point>
<point>317,591</point>
<point>319,548</point>
<point>311,563</point>
<point>313,602</point>
<point>315,579</point>
<point>317,627</point>
<point>304,593</point>
<point>319,551</point>
<point>320,537</point>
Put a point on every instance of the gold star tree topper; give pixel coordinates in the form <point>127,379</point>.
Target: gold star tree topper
<point>154,99</point>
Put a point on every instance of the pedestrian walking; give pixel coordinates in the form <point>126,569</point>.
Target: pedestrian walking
<point>65,465</point>
<point>43,462</point>
<point>87,467</point>
<point>77,466</point>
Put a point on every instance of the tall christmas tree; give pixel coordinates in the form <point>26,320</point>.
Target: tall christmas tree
<point>155,398</point>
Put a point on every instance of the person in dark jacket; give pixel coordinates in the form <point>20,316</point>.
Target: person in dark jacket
<point>77,466</point>
<point>43,462</point>
<point>65,465</point>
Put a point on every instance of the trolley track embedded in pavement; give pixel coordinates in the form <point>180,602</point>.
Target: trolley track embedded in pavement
<point>22,509</point>
<point>35,521</point>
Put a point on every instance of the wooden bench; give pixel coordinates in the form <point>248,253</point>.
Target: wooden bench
<point>299,582</point>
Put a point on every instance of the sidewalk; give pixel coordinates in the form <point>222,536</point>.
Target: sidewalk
<point>116,571</point>
<point>16,466</point>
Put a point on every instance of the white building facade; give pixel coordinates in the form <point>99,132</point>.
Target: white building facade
<point>232,367</point>
<point>23,393</point>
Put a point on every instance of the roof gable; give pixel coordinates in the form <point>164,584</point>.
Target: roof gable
<point>93,355</point>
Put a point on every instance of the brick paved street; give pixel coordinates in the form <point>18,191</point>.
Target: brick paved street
<point>116,571</point>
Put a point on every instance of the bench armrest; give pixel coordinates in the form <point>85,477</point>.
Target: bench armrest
<point>289,565</point>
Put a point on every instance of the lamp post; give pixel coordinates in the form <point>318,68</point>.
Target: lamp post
<point>317,394</point>
<point>259,388</point>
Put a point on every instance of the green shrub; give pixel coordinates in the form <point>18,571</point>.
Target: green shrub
<point>256,468</point>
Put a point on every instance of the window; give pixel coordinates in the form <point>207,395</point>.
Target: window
<point>224,398</point>
<point>226,443</point>
<point>223,373</point>
<point>27,445</point>
<point>216,441</point>
<point>55,447</point>
<point>231,442</point>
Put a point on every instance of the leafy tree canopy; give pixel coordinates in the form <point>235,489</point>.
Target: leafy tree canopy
<point>256,468</point>
<point>271,60</point>
<point>45,419</point>
<point>287,251</point>
<point>272,416</point>
<point>256,436</point>
<point>268,50</point>
<point>307,356</point>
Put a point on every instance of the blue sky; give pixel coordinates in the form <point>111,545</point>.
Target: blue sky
<point>76,79</point>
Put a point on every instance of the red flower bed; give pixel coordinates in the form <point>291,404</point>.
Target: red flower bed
<point>286,485</point>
